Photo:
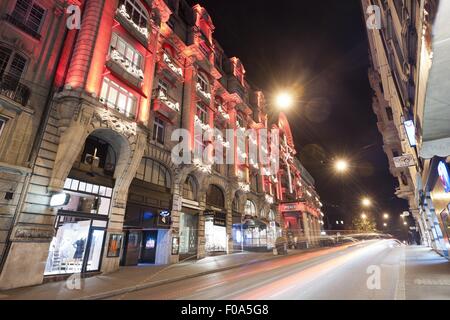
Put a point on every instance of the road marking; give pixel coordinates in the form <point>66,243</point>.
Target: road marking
<point>400,290</point>
<point>209,287</point>
<point>282,291</point>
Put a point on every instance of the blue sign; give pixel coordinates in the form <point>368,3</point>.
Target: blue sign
<point>444,176</point>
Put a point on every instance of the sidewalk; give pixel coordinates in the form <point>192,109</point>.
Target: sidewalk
<point>427,275</point>
<point>133,278</point>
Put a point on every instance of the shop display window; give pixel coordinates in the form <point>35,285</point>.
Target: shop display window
<point>215,236</point>
<point>188,233</point>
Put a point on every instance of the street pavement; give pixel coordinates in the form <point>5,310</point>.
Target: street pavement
<point>372,270</point>
<point>376,269</point>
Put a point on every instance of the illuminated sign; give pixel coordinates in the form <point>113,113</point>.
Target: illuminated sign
<point>444,176</point>
<point>410,132</point>
<point>59,199</point>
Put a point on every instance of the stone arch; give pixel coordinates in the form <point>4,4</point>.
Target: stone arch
<point>164,158</point>
<point>222,184</point>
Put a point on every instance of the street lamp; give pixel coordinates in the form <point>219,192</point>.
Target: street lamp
<point>385,224</point>
<point>284,100</point>
<point>385,216</point>
<point>341,165</point>
<point>366,202</point>
<point>405,223</point>
<point>364,216</point>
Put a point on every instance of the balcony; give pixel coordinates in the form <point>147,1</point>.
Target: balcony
<point>203,94</point>
<point>127,22</point>
<point>172,66</point>
<point>11,88</point>
<point>165,105</point>
<point>22,26</point>
<point>126,69</point>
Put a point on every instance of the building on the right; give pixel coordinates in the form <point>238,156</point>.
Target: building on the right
<point>410,76</point>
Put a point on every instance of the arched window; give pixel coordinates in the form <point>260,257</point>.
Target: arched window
<point>250,208</point>
<point>190,189</point>
<point>136,11</point>
<point>215,197</point>
<point>153,172</point>
<point>235,204</point>
<point>272,215</point>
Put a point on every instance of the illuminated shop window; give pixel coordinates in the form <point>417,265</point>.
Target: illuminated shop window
<point>118,98</point>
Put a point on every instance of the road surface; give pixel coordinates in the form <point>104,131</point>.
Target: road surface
<point>367,270</point>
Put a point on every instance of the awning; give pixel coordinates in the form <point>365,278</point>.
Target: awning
<point>436,117</point>
<point>254,223</point>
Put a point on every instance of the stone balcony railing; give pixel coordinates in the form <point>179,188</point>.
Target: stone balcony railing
<point>177,70</point>
<point>205,95</point>
<point>125,68</point>
<point>11,88</point>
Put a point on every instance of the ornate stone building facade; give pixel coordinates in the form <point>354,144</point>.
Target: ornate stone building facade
<point>99,188</point>
<point>406,53</point>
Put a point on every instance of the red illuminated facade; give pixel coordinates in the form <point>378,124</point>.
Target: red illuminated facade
<point>103,191</point>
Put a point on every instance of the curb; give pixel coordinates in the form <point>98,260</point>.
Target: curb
<point>148,285</point>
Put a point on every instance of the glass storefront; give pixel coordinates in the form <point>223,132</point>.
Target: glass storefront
<point>188,233</point>
<point>215,235</point>
<point>80,229</point>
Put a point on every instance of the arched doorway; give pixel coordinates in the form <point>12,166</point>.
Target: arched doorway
<point>216,241</point>
<point>82,220</point>
<point>148,215</point>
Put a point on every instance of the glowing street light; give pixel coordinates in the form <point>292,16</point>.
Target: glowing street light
<point>366,202</point>
<point>405,223</point>
<point>385,224</point>
<point>386,216</point>
<point>364,216</point>
<point>341,165</point>
<point>284,100</point>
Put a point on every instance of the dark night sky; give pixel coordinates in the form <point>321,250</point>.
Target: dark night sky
<point>320,48</point>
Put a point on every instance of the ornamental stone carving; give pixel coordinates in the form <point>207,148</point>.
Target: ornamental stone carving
<point>118,124</point>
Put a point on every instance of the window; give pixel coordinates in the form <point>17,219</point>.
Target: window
<point>127,51</point>
<point>2,125</point>
<point>202,82</point>
<point>118,98</point>
<point>215,197</point>
<point>136,11</point>
<point>189,188</point>
<point>153,172</point>
<point>163,87</point>
<point>389,113</point>
<point>11,63</point>
<point>202,113</point>
<point>240,120</point>
<point>30,14</point>
<point>158,130</point>
<point>272,215</point>
<point>250,208</point>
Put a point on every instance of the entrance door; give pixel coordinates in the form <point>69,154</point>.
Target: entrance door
<point>148,253</point>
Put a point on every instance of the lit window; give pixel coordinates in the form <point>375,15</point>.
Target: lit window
<point>118,98</point>
<point>136,11</point>
<point>158,130</point>
<point>203,83</point>
<point>127,51</point>
<point>30,14</point>
<point>202,113</point>
<point>250,208</point>
<point>163,87</point>
<point>2,125</point>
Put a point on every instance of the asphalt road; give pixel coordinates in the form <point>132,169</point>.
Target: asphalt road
<point>367,270</point>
